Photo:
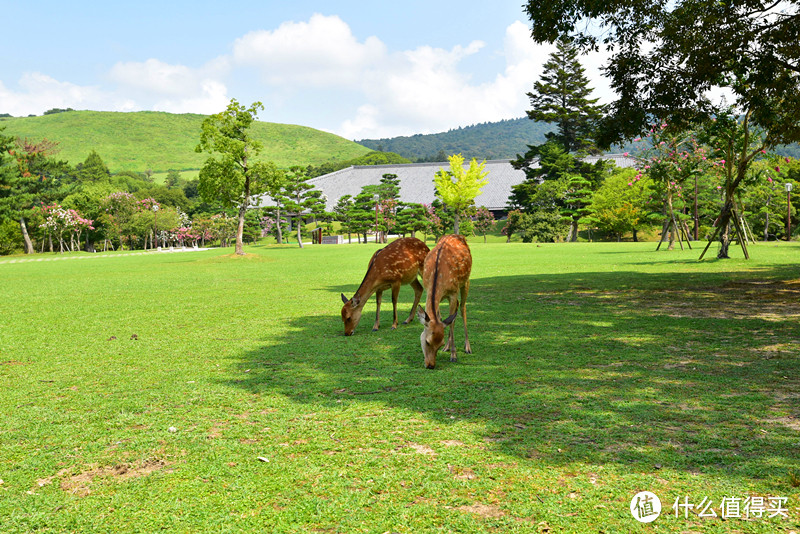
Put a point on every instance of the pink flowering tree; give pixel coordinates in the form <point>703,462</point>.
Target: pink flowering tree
<point>483,221</point>
<point>736,143</point>
<point>435,224</point>
<point>387,216</point>
<point>62,223</point>
<point>671,160</point>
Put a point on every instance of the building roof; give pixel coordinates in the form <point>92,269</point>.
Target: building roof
<point>416,180</point>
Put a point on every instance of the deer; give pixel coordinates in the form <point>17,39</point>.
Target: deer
<point>395,265</point>
<point>445,276</point>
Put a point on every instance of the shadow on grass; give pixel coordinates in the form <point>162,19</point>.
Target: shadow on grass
<point>581,368</point>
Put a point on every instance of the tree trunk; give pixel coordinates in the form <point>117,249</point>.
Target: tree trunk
<point>27,238</point>
<point>635,235</point>
<point>299,233</point>
<point>573,231</point>
<point>278,222</point>
<point>456,223</point>
<point>724,229</point>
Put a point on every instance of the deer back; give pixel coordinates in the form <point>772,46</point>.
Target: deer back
<point>447,269</point>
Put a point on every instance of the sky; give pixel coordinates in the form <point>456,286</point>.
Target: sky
<point>357,69</point>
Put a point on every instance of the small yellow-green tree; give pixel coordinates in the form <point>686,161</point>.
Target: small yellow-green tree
<point>458,187</point>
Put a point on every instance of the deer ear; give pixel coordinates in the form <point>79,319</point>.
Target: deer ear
<point>450,319</point>
<point>344,299</point>
<point>423,316</point>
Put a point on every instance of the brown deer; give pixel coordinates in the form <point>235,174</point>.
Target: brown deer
<point>396,264</point>
<point>446,276</point>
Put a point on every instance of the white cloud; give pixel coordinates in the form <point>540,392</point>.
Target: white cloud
<point>174,88</point>
<point>320,52</point>
<point>424,90</point>
<point>38,92</point>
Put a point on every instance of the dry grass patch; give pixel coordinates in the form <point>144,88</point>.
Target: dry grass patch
<point>79,484</point>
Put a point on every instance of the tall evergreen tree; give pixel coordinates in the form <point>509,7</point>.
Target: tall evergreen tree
<point>561,96</point>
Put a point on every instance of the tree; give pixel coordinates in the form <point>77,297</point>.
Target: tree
<point>457,187</point>
<point>343,209</point>
<point>484,221</point>
<point>29,178</point>
<point>411,218</point>
<point>561,96</point>
<point>362,213</point>
<point>620,204</point>
<point>297,196</point>
<point>665,57</point>
<point>577,201</point>
<point>231,175</point>
<point>93,169</point>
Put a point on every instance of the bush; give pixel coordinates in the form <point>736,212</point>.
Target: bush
<point>10,238</point>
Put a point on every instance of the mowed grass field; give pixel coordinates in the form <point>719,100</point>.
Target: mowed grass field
<point>200,392</point>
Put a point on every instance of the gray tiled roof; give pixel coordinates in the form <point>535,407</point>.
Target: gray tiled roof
<point>416,180</point>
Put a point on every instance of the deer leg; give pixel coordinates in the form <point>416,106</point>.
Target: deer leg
<point>378,295</point>
<point>417,296</point>
<point>395,294</point>
<point>451,344</point>
<point>464,292</point>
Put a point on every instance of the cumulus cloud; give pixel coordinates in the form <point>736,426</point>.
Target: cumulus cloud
<point>320,52</point>
<point>174,88</point>
<point>38,92</point>
<point>425,90</point>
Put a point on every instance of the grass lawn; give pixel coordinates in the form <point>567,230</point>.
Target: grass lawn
<point>200,392</point>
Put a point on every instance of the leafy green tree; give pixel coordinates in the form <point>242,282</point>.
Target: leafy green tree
<point>232,175</point>
<point>577,203</point>
<point>362,215</point>
<point>342,210</point>
<point>29,178</point>
<point>664,57</point>
<point>93,169</point>
<point>411,218</point>
<point>458,187</point>
<point>299,198</point>
<point>620,205</point>
<point>174,179</point>
<point>561,97</point>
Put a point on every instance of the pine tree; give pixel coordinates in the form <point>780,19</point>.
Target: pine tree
<point>561,96</point>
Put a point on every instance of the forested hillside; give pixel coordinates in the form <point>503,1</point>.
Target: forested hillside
<point>491,140</point>
<point>156,141</point>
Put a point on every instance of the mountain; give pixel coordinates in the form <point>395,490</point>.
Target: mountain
<point>491,140</point>
<point>157,141</point>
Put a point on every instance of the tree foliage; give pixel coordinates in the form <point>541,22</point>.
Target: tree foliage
<point>561,97</point>
<point>459,187</point>
<point>232,175</point>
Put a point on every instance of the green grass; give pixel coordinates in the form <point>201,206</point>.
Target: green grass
<point>599,370</point>
<point>157,141</point>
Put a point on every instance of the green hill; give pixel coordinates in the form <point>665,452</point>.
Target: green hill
<point>157,141</point>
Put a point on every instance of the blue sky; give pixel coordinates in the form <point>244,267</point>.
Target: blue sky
<point>357,69</point>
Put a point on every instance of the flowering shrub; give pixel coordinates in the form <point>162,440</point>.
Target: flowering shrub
<point>59,221</point>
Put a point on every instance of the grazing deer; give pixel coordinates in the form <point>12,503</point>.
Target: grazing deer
<point>446,276</point>
<point>392,266</point>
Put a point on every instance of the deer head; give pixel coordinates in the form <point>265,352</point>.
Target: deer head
<point>351,314</point>
<point>432,337</point>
